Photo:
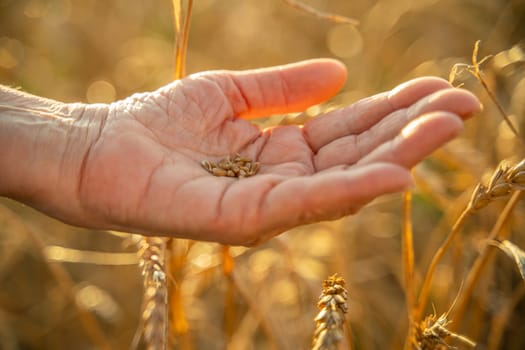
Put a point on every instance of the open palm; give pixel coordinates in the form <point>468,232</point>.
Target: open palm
<point>142,172</point>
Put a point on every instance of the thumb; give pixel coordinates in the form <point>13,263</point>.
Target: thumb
<point>280,89</point>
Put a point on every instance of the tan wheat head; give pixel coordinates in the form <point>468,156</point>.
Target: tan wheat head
<point>431,334</point>
<point>154,311</point>
<point>503,181</point>
<point>330,320</point>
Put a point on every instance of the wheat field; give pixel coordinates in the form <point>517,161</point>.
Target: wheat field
<point>438,268</point>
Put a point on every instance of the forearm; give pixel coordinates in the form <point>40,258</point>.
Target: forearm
<point>38,160</point>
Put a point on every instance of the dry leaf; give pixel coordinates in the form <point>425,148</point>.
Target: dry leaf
<point>515,253</point>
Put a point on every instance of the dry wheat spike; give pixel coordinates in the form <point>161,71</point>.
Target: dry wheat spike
<point>431,333</point>
<point>154,311</point>
<point>503,181</point>
<point>329,322</point>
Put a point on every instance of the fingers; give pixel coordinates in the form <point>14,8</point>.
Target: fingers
<point>281,89</point>
<point>350,149</point>
<point>329,195</point>
<point>417,140</point>
<point>364,114</point>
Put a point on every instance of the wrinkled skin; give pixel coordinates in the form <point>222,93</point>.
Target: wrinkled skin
<point>140,167</point>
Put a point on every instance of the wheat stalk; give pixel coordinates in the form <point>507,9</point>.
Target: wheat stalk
<point>504,180</point>
<point>475,70</point>
<point>322,15</point>
<point>407,253</point>
<point>178,324</point>
<point>483,258</point>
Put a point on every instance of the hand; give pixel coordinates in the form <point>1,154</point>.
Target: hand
<point>141,172</point>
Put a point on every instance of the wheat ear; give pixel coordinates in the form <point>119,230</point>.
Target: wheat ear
<point>431,334</point>
<point>330,321</point>
<point>155,307</point>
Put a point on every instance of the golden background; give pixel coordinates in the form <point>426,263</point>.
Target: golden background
<point>100,51</point>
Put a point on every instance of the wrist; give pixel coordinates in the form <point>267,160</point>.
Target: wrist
<point>31,134</point>
<point>42,146</point>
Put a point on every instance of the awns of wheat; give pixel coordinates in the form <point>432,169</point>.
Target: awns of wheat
<point>431,334</point>
<point>154,312</point>
<point>330,320</point>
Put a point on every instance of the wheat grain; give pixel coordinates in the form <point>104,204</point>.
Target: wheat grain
<point>232,166</point>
